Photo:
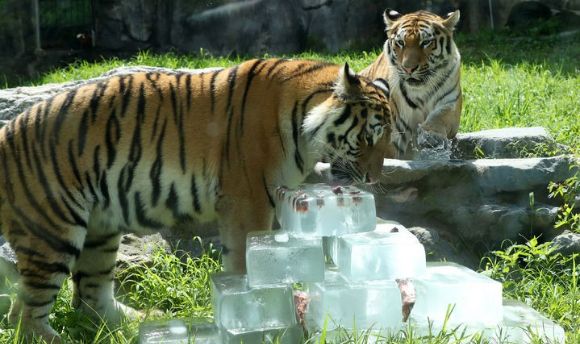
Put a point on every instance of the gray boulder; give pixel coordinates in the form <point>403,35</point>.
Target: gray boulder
<point>439,248</point>
<point>474,204</point>
<point>505,143</point>
<point>567,243</point>
<point>135,250</point>
<point>14,101</point>
<point>8,261</point>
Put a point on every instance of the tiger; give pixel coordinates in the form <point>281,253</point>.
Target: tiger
<point>145,151</point>
<point>421,65</point>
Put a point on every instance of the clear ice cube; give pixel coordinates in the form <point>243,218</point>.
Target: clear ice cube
<point>179,331</point>
<point>322,210</point>
<point>389,252</point>
<point>274,258</point>
<point>357,304</point>
<point>238,307</point>
<point>288,335</point>
<point>477,299</point>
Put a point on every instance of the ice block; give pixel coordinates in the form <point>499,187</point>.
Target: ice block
<point>354,304</point>
<point>521,323</point>
<point>179,331</point>
<point>389,252</point>
<point>477,299</point>
<point>278,258</point>
<point>321,210</point>
<point>238,307</point>
<point>288,335</point>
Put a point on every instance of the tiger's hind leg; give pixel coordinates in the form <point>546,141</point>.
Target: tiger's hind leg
<point>30,311</point>
<point>44,262</point>
<point>93,279</point>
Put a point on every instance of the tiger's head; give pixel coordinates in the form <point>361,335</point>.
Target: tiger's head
<point>351,129</point>
<point>420,43</point>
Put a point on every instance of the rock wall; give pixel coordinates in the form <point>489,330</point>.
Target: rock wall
<point>257,27</point>
<point>253,27</point>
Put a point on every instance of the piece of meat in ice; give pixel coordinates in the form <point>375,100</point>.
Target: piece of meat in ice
<point>301,300</point>
<point>408,296</point>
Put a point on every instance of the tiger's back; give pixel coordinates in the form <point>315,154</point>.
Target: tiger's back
<point>422,66</point>
<point>144,151</point>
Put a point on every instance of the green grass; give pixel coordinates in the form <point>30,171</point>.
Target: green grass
<point>506,82</point>
<point>530,272</point>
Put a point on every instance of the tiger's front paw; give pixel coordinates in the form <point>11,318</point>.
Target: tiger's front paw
<point>430,140</point>
<point>433,146</point>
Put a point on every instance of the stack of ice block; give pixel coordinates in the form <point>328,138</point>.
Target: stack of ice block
<point>349,264</point>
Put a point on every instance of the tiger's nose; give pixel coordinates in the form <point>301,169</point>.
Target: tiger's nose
<point>411,69</point>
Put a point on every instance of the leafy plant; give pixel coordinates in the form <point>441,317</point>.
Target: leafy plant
<point>568,191</point>
<point>533,273</point>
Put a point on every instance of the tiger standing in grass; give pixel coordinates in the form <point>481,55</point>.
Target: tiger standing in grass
<point>146,151</point>
<point>422,66</point>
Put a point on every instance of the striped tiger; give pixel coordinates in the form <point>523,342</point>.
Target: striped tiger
<point>421,64</point>
<point>145,151</point>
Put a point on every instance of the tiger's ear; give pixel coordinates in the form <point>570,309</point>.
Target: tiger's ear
<point>451,20</point>
<point>390,16</point>
<point>347,85</point>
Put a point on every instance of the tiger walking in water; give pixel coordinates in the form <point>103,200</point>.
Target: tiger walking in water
<point>422,67</point>
<point>141,152</point>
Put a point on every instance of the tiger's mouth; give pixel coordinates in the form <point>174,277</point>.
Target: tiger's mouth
<point>414,80</point>
<point>339,175</point>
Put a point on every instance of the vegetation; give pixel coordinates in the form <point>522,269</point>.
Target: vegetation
<point>535,84</point>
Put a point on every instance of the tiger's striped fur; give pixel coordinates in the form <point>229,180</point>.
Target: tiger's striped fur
<point>144,151</point>
<point>422,66</point>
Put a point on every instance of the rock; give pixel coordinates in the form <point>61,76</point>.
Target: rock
<point>479,177</point>
<point>273,27</point>
<point>438,249</point>
<point>14,101</point>
<point>8,261</point>
<point>8,272</point>
<point>136,250</point>
<point>567,243</point>
<point>473,204</point>
<point>505,143</point>
<point>193,238</point>
<point>525,14</point>
<point>269,26</point>
<point>543,17</point>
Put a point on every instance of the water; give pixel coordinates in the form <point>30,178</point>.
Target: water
<point>354,304</point>
<point>238,307</point>
<point>389,252</point>
<point>179,331</point>
<point>277,258</point>
<point>520,320</point>
<point>477,298</point>
<point>521,324</point>
<point>433,147</point>
<point>321,210</point>
<point>288,335</point>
